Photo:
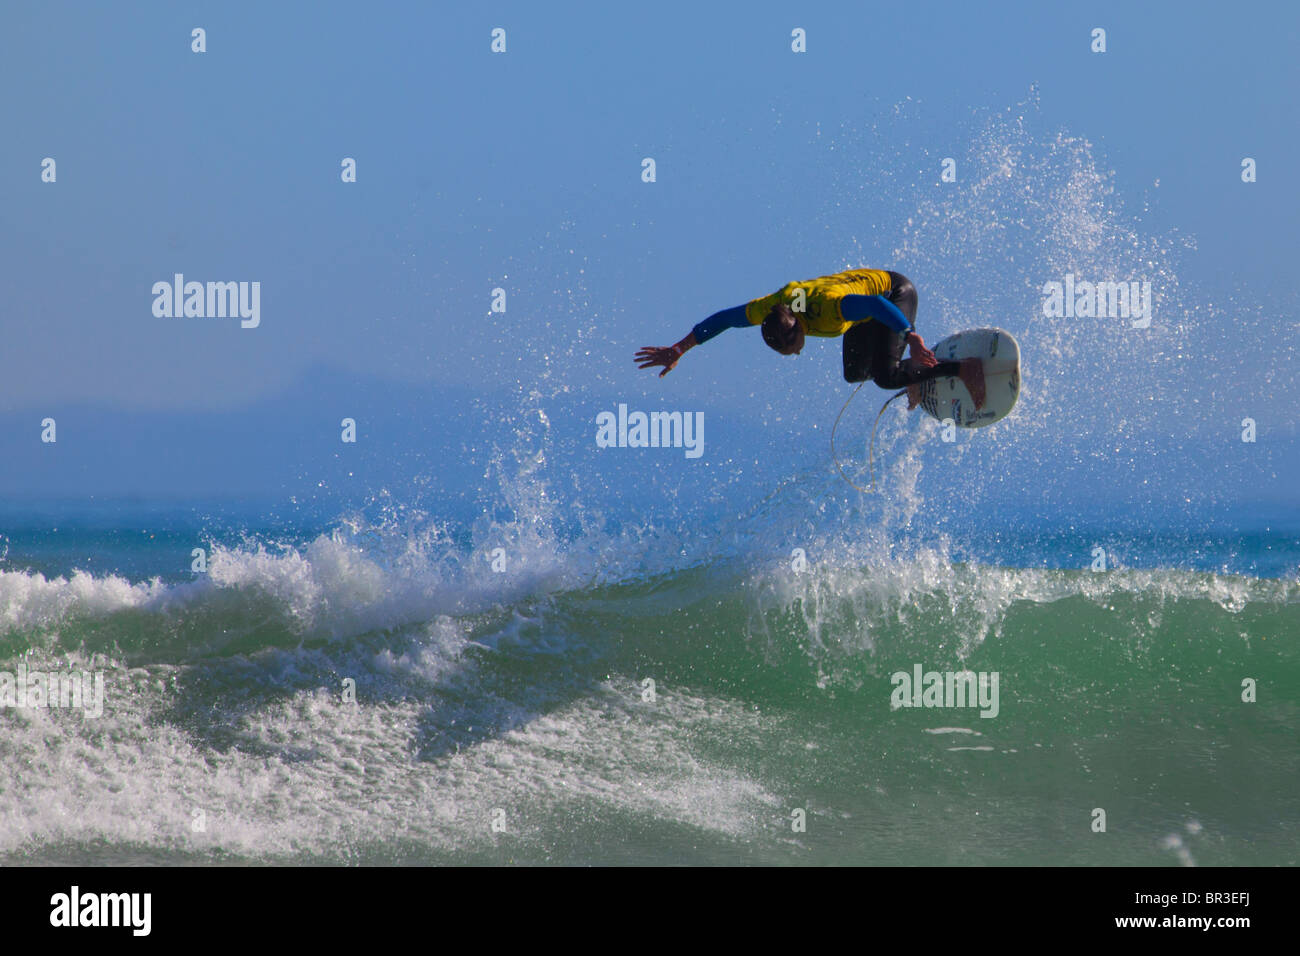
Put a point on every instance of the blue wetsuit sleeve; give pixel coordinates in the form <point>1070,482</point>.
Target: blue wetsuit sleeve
<point>733,318</point>
<point>855,308</point>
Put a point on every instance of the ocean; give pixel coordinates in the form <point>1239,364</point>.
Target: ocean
<point>331,693</point>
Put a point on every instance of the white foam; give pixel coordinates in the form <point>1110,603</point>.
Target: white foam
<point>315,776</point>
<point>30,601</point>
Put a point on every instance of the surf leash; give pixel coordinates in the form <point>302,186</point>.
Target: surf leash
<point>871,453</point>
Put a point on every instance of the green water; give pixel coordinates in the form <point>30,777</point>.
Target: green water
<point>525,728</point>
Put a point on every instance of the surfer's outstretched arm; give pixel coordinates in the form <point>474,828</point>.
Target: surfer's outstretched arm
<point>733,318</point>
<point>652,357</point>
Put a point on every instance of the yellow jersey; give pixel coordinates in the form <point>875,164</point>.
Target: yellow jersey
<point>820,299</point>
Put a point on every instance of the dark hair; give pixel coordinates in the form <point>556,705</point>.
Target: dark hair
<point>780,328</point>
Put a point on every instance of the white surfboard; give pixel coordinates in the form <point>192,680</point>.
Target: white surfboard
<point>947,397</point>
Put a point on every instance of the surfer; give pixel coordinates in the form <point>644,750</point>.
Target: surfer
<point>873,309</point>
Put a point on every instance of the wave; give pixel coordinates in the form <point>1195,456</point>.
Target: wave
<point>574,707</point>
<point>832,597</point>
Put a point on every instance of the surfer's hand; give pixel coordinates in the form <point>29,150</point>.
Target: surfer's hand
<point>921,355</point>
<point>652,357</point>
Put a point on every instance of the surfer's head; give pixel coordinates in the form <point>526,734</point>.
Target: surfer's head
<point>782,330</point>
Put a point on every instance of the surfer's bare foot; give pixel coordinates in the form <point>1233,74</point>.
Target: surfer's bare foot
<point>972,376</point>
<point>913,396</point>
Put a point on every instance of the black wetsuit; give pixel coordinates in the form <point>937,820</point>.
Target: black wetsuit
<point>872,350</point>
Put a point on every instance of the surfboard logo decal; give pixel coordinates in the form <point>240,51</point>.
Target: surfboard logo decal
<point>928,401</point>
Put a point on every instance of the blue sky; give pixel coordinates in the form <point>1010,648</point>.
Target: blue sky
<point>522,170</point>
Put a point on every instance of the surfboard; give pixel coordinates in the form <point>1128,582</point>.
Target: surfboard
<point>947,397</point>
